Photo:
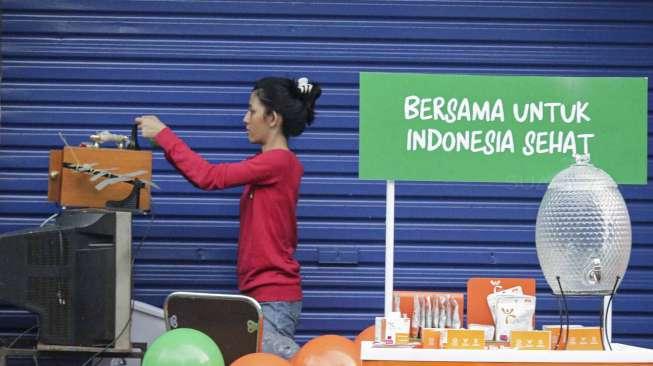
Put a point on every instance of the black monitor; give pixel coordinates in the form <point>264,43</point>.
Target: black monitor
<point>75,274</point>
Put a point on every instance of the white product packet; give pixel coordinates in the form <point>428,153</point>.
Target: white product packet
<point>396,303</point>
<point>436,311</point>
<point>415,321</point>
<point>455,316</point>
<point>442,321</point>
<point>422,319</point>
<point>492,298</point>
<point>428,309</point>
<point>513,313</point>
<point>449,311</point>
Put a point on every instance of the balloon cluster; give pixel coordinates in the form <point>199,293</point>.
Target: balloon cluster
<point>189,347</point>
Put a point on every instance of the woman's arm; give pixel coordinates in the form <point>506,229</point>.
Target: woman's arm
<point>261,169</point>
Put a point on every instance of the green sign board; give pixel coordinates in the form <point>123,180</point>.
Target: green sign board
<point>525,129</point>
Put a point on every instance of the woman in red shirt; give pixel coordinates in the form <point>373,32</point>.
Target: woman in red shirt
<point>279,108</point>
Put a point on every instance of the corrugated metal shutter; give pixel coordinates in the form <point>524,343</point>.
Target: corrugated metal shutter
<point>78,66</point>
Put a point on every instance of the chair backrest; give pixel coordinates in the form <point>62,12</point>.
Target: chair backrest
<point>234,322</point>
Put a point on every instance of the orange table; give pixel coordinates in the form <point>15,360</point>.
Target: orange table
<point>620,355</point>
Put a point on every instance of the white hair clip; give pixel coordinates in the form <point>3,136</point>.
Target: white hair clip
<point>304,86</point>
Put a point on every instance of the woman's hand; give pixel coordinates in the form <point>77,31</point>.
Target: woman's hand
<point>150,125</point>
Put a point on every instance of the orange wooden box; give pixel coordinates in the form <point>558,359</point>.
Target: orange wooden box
<point>75,189</point>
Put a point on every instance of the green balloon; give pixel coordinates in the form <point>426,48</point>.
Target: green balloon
<point>183,347</point>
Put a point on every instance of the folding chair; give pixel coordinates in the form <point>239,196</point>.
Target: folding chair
<point>234,322</point>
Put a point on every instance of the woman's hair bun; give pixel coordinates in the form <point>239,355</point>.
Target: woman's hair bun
<point>294,100</point>
<point>309,91</point>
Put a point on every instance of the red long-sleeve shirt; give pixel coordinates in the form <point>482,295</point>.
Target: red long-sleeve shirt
<point>267,269</point>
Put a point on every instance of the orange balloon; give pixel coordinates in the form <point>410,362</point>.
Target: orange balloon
<point>327,350</point>
<point>257,359</point>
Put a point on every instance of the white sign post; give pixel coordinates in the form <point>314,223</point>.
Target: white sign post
<point>389,244</point>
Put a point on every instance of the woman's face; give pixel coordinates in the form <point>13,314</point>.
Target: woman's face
<point>257,121</point>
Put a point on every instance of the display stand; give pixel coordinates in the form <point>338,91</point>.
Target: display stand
<point>386,356</point>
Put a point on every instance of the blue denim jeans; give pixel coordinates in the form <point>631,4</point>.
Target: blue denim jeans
<point>279,322</point>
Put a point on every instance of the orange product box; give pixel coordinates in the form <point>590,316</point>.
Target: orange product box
<point>555,332</point>
<point>465,339</point>
<point>432,337</point>
<point>478,288</point>
<point>392,330</point>
<point>580,338</point>
<point>402,330</point>
<point>530,339</point>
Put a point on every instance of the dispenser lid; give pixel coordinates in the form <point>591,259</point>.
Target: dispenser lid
<point>582,175</point>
